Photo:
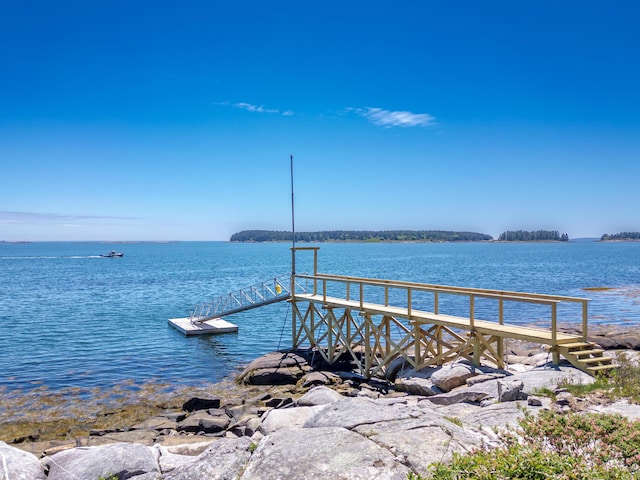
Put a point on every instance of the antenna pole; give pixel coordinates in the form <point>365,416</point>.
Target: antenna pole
<point>293,226</point>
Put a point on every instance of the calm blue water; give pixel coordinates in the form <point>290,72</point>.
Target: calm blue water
<point>69,318</point>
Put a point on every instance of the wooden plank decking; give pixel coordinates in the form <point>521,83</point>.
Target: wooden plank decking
<point>485,327</point>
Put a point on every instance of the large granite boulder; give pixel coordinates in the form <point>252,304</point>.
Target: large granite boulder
<point>287,418</point>
<point>319,395</point>
<point>422,441</point>
<point>416,386</point>
<point>125,460</point>
<point>224,459</point>
<point>17,464</point>
<point>351,412</point>
<point>451,376</point>
<point>320,454</point>
<point>276,368</point>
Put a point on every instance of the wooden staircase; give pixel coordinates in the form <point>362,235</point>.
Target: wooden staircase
<point>587,356</point>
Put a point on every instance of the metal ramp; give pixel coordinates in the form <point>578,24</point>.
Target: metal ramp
<point>207,317</point>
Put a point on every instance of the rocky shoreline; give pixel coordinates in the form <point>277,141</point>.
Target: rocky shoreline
<point>293,416</point>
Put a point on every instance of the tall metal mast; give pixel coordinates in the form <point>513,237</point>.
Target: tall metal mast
<point>293,226</point>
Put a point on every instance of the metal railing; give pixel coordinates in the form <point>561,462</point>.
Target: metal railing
<point>273,290</point>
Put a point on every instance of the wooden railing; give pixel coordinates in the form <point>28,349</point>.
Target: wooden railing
<point>354,289</point>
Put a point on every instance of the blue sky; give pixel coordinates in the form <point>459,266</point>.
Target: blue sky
<point>159,120</point>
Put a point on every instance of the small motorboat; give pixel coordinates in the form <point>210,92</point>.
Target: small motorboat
<point>112,254</point>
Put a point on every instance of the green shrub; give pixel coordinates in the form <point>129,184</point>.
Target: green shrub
<point>553,446</point>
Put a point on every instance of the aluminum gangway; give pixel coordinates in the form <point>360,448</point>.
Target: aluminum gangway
<point>273,290</point>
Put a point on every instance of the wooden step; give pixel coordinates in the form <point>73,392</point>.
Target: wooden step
<point>595,352</point>
<point>607,360</point>
<point>574,345</point>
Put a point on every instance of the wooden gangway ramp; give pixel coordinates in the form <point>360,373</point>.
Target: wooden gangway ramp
<point>380,322</point>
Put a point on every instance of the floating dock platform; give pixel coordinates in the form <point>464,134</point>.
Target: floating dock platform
<point>209,327</point>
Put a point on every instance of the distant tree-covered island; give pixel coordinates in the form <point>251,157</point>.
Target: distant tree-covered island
<point>533,236</point>
<point>361,236</point>
<point>621,237</point>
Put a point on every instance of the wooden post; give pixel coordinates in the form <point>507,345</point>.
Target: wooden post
<point>294,323</point>
<point>387,336</point>
<point>585,321</point>
<point>367,346</point>
<point>476,348</point>
<point>417,342</point>
<point>439,343</point>
<point>330,346</point>
<point>554,333</point>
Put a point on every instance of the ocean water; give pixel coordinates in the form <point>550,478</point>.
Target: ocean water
<point>71,319</point>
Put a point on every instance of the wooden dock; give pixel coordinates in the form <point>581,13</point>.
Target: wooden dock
<point>380,322</point>
<point>377,322</point>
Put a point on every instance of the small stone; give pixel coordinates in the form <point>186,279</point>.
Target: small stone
<point>534,401</point>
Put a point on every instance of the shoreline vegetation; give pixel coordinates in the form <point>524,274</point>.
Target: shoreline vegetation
<point>406,236</point>
<point>375,236</point>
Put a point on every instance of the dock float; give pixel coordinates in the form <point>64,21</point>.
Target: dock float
<point>213,326</point>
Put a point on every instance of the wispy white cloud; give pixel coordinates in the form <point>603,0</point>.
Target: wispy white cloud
<point>397,118</point>
<point>260,109</point>
<point>26,218</point>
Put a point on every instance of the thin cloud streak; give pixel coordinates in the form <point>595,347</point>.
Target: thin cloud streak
<point>260,109</point>
<point>26,218</point>
<point>397,118</point>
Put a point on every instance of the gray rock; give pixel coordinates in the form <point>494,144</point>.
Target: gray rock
<point>147,476</point>
<point>432,439</point>
<point>564,399</point>
<point>536,379</point>
<point>451,376</point>
<point>320,395</point>
<point>287,418</point>
<point>351,412</point>
<point>202,421</point>
<point>319,378</point>
<point>510,390</point>
<point>621,407</point>
<point>169,461</point>
<point>485,377</point>
<point>88,463</point>
<point>155,423</point>
<point>252,425</point>
<point>507,414</point>
<point>224,459</point>
<point>276,368</point>
<point>198,403</point>
<point>416,386</point>
<point>457,396</point>
<point>143,437</point>
<point>16,464</point>
<point>214,424</point>
<point>328,453</point>
<point>534,401</point>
